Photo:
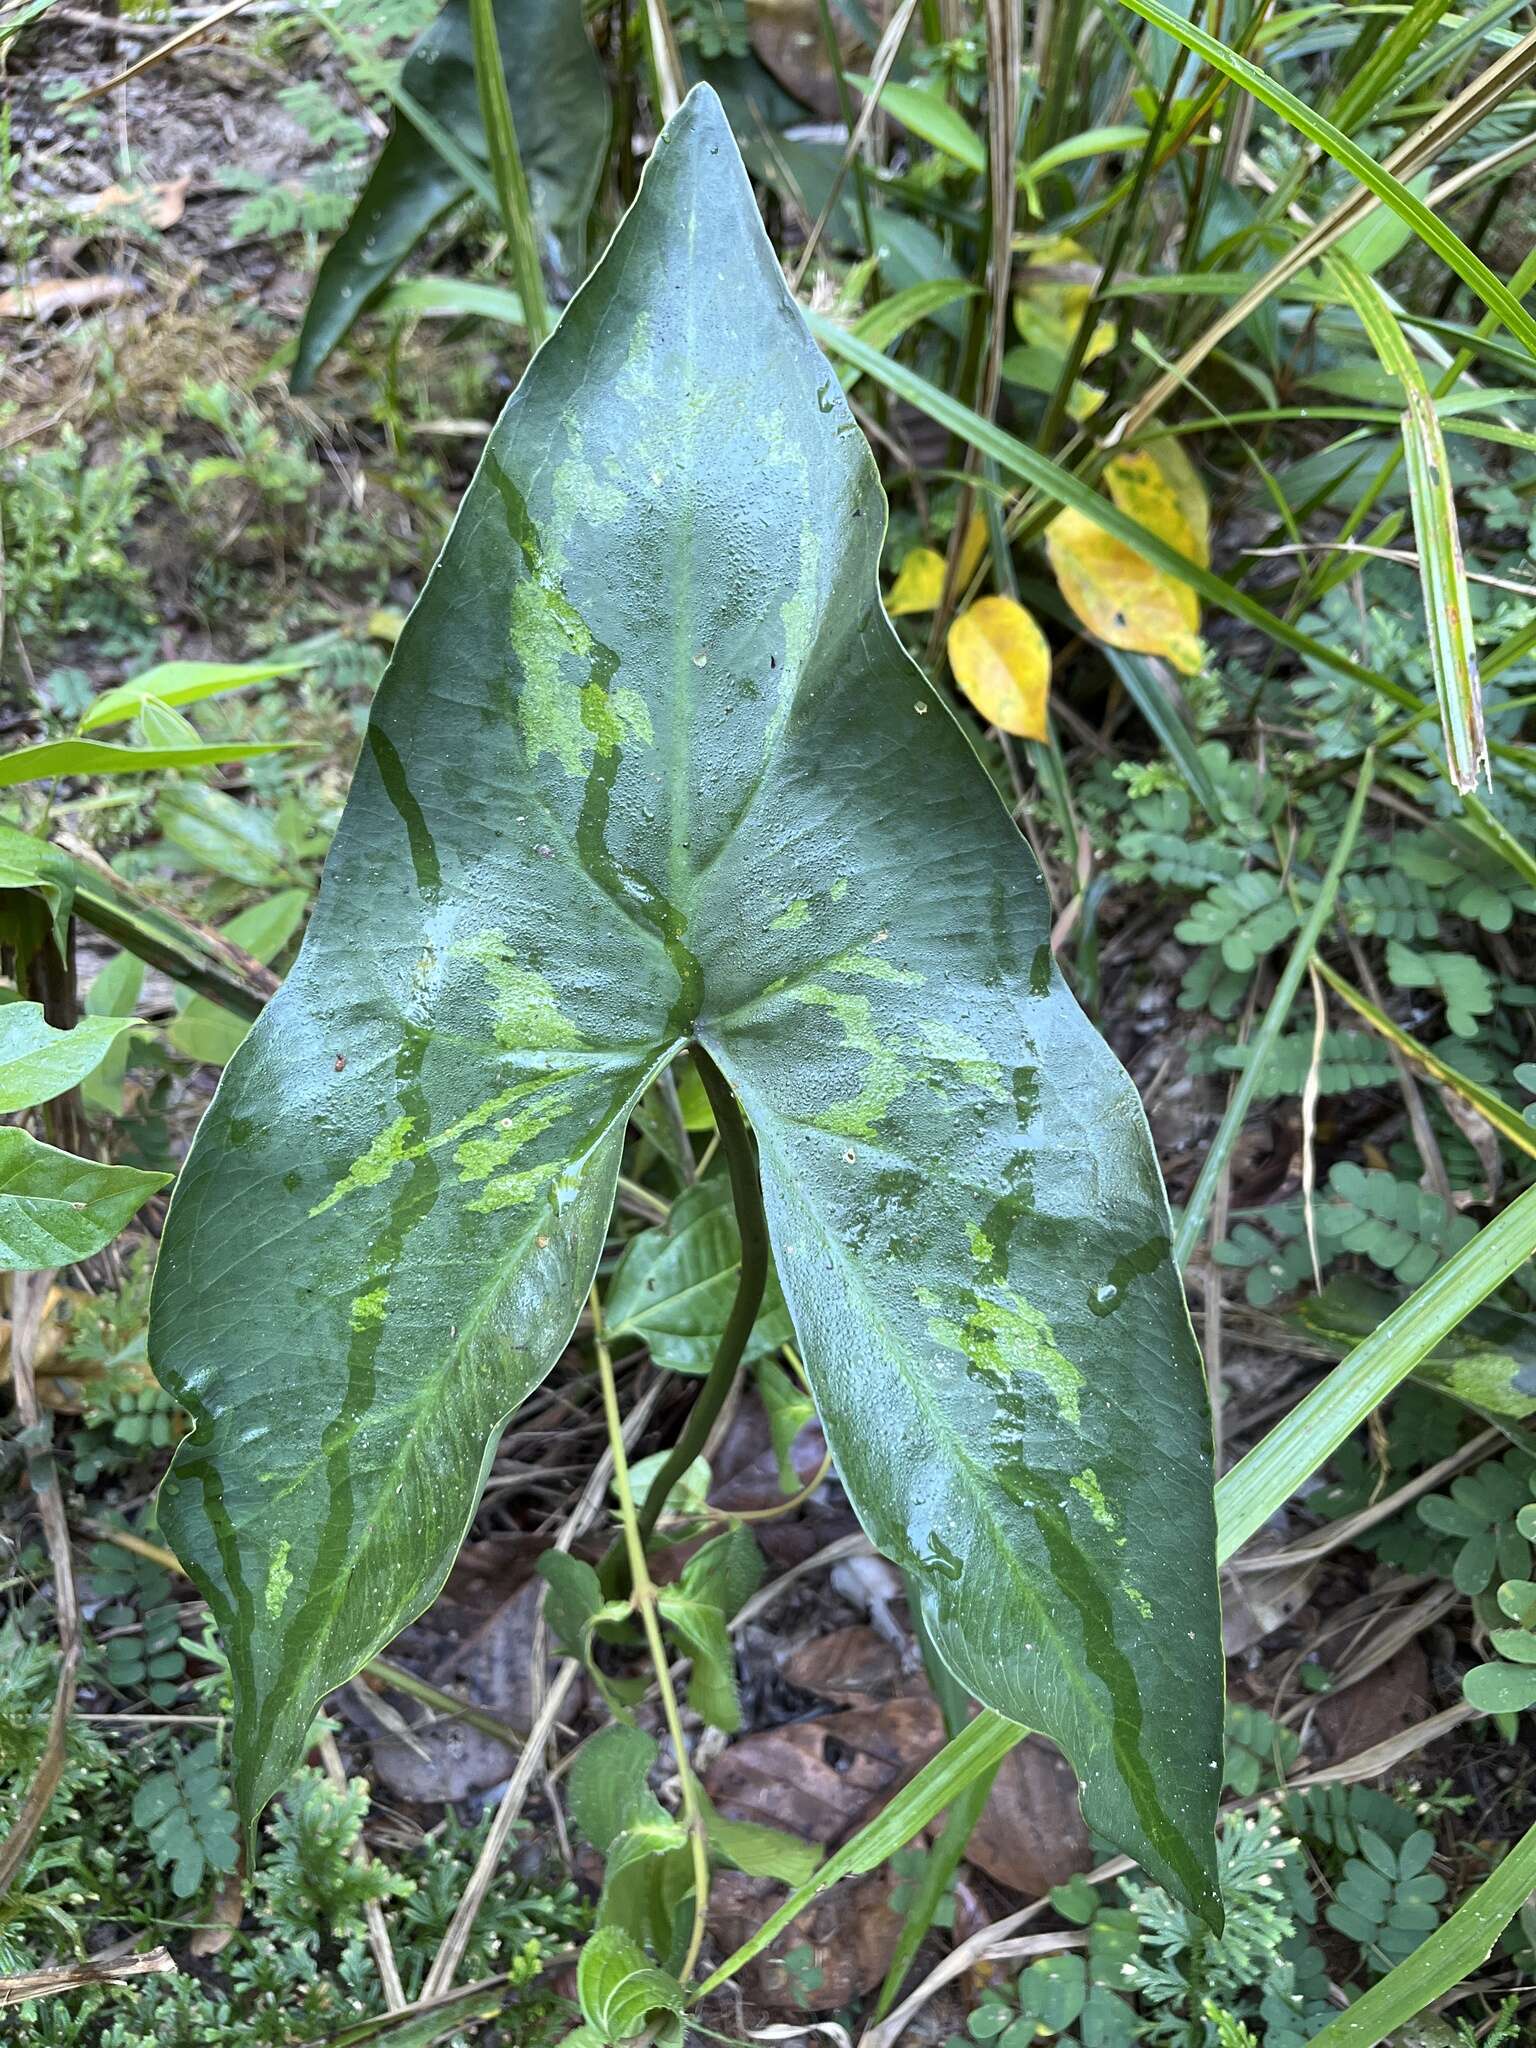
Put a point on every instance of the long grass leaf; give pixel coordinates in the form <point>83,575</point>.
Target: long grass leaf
<point>1450,1954</point>
<point>507,173</point>
<point>1063,488</point>
<point>1505,1119</point>
<point>1187,1236</point>
<point>1442,572</point>
<point>1264,1480</point>
<point>1434,233</point>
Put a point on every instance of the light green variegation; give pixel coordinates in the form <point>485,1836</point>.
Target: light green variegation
<point>649,767</point>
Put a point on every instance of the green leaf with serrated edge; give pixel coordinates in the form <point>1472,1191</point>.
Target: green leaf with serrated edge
<point>55,1208</point>
<point>559,103</point>
<point>789,1409</point>
<point>645,768</point>
<point>184,682</point>
<point>574,1599</point>
<point>674,1286</point>
<point>38,1062</point>
<point>618,1987</point>
<point>608,1789</point>
<point>700,1628</point>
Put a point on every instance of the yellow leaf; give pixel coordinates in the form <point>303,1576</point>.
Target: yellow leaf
<point>1054,290</point>
<point>972,548</point>
<point>1141,487</point>
<point>1182,478</point>
<point>919,583</point>
<point>1120,597</point>
<point>1001,661</point>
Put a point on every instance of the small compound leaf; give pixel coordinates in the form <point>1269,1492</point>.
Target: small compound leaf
<point>55,1208</point>
<point>38,1062</point>
<point>1120,596</point>
<point>646,705</point>
<point>559,102</point>
<point>1500,1688</point>
<point>1002,662</point>
<point>919,583</point>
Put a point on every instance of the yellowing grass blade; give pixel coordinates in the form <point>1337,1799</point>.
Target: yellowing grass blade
<point>1442,573</point>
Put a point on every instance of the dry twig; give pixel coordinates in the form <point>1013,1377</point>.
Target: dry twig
<point>29,1291</point>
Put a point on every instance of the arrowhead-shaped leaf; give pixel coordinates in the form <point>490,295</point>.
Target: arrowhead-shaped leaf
<point>560,106</point>
<point>649,765</point>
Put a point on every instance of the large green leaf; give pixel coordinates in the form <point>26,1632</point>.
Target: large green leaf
<point>650,765</point>
<point>55,1208</point>
<point>559,103</point>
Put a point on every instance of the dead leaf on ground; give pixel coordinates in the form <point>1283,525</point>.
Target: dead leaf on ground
<point>823,1779</point>
<point>46,296</point>
<point>820,1779</point>
<point>1031,1834</point>
<point>221,1917</point>
<point>1254,1604</point>
<point>1393,1699</point>
<point>837,1950</point>
<point>480,1650</point>
<point>854,1667</point>
<point>159,206</point>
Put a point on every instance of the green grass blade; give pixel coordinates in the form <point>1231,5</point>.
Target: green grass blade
<point>1448,245</point>
<point>1451,1954</point>
<point>512,198</point>
<point>1060,485</point>
<point>1245,1087</point>
<point>977,1750</point>
<point>939,1866</point>
<point>1264,1480</point>
<point>1507,1121</point>
<point>1442,572</point>
<point>1384,65</point>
